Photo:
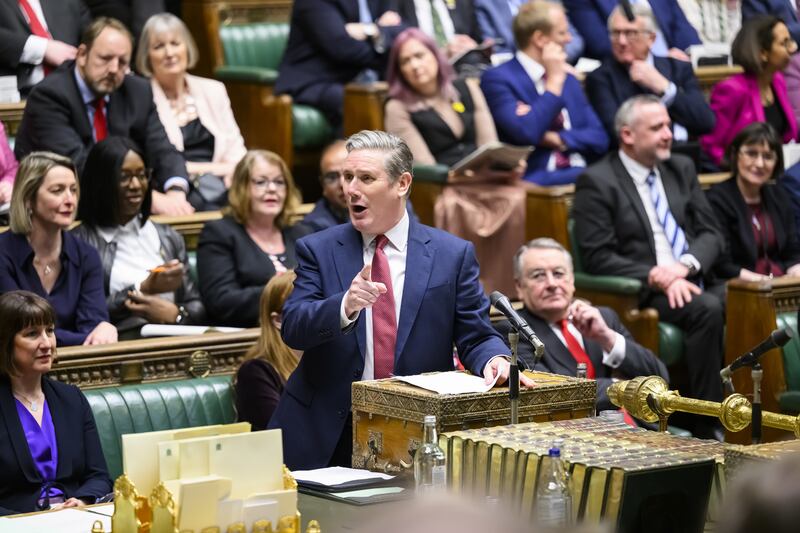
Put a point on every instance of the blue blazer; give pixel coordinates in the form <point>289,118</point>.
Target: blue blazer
<point>443,303</point>
<point>784,9</point>
<point>508,84</point>
<point>81,467</point>
<point>591,19</point>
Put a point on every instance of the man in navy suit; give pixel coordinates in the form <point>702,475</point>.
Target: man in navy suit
<point>633,69</point>
<point>331,209</point>
<point>546,285</point>
<point>535,100</point>
<point>675,33</point>
<point>380,296</point>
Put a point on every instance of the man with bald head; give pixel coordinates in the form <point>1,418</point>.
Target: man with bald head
<point>331,209</point>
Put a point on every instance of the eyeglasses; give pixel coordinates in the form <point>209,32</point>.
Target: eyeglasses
<point>143,175</point>
<point>263,184</point>
<point>790,45</point>
<point>630,35</point>
<point>330,177</point>
<point>769,158</point>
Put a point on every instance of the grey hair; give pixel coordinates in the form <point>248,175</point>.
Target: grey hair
<point>542,243</point>
<point>398,158</point>
<point>156,25</point>
<point>626,113</point>
<point>641,10</point>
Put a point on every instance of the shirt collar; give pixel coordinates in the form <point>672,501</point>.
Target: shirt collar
<point>637,171</point>
<point>397,235</point>
<point>112,233</point>
<point>21,249</point>
<point>87,95</point>
<point>531,66</point>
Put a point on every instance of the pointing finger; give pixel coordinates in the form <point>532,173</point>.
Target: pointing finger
<point>366,272</point>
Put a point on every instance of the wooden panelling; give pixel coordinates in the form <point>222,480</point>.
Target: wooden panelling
<point>364,106</point>
<point>11,116</point>
<point>707,77</point>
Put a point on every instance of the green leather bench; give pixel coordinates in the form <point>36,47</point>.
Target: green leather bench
<point>790,399</point>
<point>158,406</point>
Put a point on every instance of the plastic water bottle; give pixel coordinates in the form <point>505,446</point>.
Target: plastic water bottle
<point>553,497</point>
<point>430,464</point>
<point>581,371</point>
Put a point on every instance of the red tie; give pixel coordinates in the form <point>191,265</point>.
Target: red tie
<point>100,124</point>
<point>576,349</point>
<point>384,325</point>
<point>36,27</point>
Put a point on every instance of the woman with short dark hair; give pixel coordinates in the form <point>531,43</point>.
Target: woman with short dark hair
<point>763,48</point>
<point>755,216</point>
<point>50,452</point>
<point>146,277</point>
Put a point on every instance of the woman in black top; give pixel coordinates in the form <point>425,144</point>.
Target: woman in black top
<point>754,215</point>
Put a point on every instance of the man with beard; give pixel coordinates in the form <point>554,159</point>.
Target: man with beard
<point>92,97</point>
<point>640,213</point>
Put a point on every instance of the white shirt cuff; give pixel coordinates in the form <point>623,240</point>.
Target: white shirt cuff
<point>344,320</point>
<point>33,51</point>
<point>178,181</point>
<point>669,95</point>
<point>693,260</point>
<point>616,356</point>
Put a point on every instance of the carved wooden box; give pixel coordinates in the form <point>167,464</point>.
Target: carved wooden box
<point>388,414</point>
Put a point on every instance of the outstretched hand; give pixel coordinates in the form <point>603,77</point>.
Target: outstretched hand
<point>363,292</point>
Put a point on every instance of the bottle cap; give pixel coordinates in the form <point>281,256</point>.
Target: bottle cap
<point>430,419</point>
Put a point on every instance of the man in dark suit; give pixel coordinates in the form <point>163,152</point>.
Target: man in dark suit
<point>132,13</point>
<point>675,33</point>
<point>535,100</point>
<point>37,36</point>
<point>640,213</point>
<point>86,100</point>
<point>380,296</point>
<point>330,43</point>
<point>453,25</point>
<point>786,10</point>
<point>633,69</point>
<point>331,209</point>
<point>594,335</point>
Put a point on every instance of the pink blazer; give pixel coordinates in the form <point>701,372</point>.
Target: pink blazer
<point>736,103</point>
<point>213,110</point>
<point>8,163</point>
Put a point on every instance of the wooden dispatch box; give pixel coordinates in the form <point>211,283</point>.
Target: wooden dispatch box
<point>388,414</point>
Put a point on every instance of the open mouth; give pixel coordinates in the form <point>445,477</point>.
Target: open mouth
<point>358,209</point>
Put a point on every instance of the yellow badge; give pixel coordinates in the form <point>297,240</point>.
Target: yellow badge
<point>458,107</point>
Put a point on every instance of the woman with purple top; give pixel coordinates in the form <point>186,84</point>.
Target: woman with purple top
<point>50,454</point>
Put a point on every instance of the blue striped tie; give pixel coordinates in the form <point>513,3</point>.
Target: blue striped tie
<point>673,232</point>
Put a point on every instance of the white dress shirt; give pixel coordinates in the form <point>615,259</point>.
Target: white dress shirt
<point>396,251</point>
<point>34,49</point>
<point>612,359</point>
<point>536,72</point>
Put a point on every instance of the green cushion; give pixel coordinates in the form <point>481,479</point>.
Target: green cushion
<point>615,284</point>
<point>254,45</point>
<point>431,173</point>
<point>791,352</point>
<point>155,407</point>
<point>670,343</point>
<point>310,128</point>
<point>266,76</point>
<point>790,402</point>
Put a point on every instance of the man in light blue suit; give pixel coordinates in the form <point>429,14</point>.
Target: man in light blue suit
<point>382,295</point>
<point>495,18</point>
<point>675,32</point>
<point>535,101</point>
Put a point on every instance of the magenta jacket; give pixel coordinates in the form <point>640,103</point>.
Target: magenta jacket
<point>736,103</point>
<point>8,163</point>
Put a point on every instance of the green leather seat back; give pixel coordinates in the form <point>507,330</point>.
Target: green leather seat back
<point>310,128</point>
<point>577,260</point>
<point>254,45</point>
<point>790,400</point>
<point>157,406</point>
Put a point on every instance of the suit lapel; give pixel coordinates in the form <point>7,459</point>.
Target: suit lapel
<point>419,264</point>
<point>63,470</point>
<point>745,224</point>
<point>348,259</point>
<point>81,123</point>
<point>629,187</point>
<point>557,356</point>
<point>19,443</point>
<point>526,89</point>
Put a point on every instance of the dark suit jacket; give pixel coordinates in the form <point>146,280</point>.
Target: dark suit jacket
<point>508,84</point>
<point>612,227</point>
<point>737,228</point>
<point>132,13</point>
<point>258,391</point>
<point>322,216</point>
<point>591,19</point>
<point>443,303</point>
<point>639,361</point>
<point>233,270</point>
<point>320,53</point>
<point>610,85</point>
<point>81,465</point>
<point>65,20</point>
<point>462,13</point>
<point>55,119</point>
<point>785,9</point>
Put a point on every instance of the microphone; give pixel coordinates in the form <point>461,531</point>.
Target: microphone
<point>501,303</point>
<point>776,339</point>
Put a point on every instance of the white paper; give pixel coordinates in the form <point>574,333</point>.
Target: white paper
<point>63,521</point>
<point>336,475</point>
<point>5,208</point>
<point>368,493</point>
<point>791,154</point>
<point>106,509</point>
<point>449,382</point>
<point>172,330</point>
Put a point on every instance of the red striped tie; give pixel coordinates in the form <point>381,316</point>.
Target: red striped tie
<point>384,324</point>
<point>36,26</point>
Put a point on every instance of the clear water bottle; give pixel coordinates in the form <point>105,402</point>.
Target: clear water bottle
<point>581,371</point>
<point>553,497</point>
<point>430,464</point>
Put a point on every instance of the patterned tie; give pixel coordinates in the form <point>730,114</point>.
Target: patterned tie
<point>575,348</point>
<point>100,124</point>
<point>384,324</point>
<point>673,232</point>
<point>438,27</point>
<point>36,27</point>
<point>562,159</point>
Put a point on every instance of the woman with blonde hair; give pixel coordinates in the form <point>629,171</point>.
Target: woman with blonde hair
<point>239,254</point>
<point>260,379</point>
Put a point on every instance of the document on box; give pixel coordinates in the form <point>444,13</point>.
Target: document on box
<point>450,382</point>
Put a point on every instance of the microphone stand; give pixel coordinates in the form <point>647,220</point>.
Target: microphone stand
<point>756,373</point>
<point>513,376</point>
